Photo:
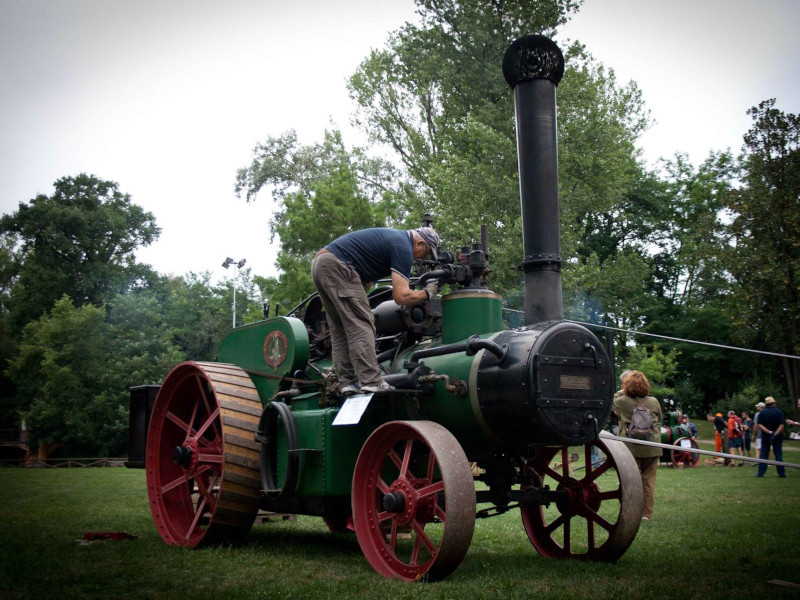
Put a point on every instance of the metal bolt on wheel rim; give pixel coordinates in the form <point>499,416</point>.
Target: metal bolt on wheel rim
<point>203,481</point>
<point>413,501</point>
<point>603,507</point>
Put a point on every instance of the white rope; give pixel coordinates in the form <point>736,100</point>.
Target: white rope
<point>610,436</point>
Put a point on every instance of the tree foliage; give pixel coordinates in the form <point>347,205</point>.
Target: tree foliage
<point>322,191</point>
<point>66,363</point>
<point>765,236</point>
<point>659,368</point>
<point>436,95</point>
<point>75,365</point>
<point>56,369</point>
<point>80,241</point>
<point>197,316</point>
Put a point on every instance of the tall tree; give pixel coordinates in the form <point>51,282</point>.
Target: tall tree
<point>690,286</point>
<point>139,350</point>
<point>692,235</point>
<point>8,343</point>
<point>436,95</point>
<point>80,241</point>
<point>322,191</point>
<point>75,366</point>
<point>58,371</point>
<point>765,250</point>
<point>197,315</point>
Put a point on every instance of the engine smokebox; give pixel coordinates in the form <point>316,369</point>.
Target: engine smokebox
<point>553,386</point>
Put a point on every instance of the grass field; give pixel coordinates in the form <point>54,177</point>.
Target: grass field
<point>716,533</point>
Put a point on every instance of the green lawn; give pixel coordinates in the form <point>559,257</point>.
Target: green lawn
<point>717,533</point>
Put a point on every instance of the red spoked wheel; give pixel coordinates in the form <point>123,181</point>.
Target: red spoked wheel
<point>601,509</point>
<point>203,478</point>
<point>413,501</point>
<point>682,456</point>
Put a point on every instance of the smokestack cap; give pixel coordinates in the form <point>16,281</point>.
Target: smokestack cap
<point>533,57</point>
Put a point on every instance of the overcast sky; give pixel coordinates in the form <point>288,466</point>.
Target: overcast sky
<point>168,98</point>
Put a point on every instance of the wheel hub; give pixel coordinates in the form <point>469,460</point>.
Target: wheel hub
<point>186,456</point>
<point>582,497</point>
<point>394,502</point>
<point>404,501</point>
<point>182,456</point>
<point>405,497</point>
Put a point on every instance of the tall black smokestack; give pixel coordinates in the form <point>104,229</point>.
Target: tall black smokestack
<point>533,65</point>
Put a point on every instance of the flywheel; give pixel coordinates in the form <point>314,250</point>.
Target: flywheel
<point>202,461</point>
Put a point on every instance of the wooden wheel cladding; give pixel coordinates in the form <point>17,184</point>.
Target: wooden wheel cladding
<point>602,507</point>
<point>203,478</point>
<point>413,501</point>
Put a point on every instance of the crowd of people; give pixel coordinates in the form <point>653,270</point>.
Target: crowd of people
<point>735,435</point>
<point>765,430</point>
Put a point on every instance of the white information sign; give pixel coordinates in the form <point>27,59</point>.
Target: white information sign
<point>352,409</point>
<point>686,444</point>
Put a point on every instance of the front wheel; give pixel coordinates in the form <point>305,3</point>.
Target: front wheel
<point>601,507</point>
<point>413,501</point>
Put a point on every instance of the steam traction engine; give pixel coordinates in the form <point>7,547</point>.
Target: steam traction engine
<point>675,432</point>
<point>265,427</point>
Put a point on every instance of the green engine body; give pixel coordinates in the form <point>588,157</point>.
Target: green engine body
<point>498,391</point>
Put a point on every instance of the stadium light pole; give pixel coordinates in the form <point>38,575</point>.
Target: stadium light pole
<point>236,266</point>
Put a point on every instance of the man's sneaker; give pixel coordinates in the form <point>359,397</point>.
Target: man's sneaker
<point>381,386</point>
<point>351,388</point>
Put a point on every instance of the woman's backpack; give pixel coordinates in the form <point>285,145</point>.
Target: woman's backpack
<point>641,426</point>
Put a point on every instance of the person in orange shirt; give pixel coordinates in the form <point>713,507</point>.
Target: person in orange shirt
<point>735,435</point>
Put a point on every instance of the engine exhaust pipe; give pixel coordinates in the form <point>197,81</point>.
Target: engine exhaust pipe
<point>533,66</point>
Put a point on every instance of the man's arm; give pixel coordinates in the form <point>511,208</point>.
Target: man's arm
<point>402,292</point>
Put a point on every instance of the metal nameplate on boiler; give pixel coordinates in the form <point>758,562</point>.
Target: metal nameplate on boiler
<point>575,382</point>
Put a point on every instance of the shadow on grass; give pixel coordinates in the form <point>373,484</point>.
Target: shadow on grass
<point>311,544</point>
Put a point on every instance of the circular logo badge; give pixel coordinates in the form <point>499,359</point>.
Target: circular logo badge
<point>276,346</point>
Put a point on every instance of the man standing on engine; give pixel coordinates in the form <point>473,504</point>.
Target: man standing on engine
<point>342,273</point>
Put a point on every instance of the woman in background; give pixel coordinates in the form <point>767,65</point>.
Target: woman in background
<point>636,392</point>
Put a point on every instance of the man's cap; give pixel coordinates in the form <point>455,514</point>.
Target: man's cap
<point>760,405</point>
<point>719,414</point>
<point>770,400</point>
<point>431,238</point>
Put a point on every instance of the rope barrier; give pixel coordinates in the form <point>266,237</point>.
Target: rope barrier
<point>668,337</point>
<point>610,436</point>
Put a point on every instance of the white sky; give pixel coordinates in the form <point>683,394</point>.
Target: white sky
<point>169,98</point>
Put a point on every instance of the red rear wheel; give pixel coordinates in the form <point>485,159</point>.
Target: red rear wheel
<point>413,501</point>
<point>203,478</point>
<point>602,507</point>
